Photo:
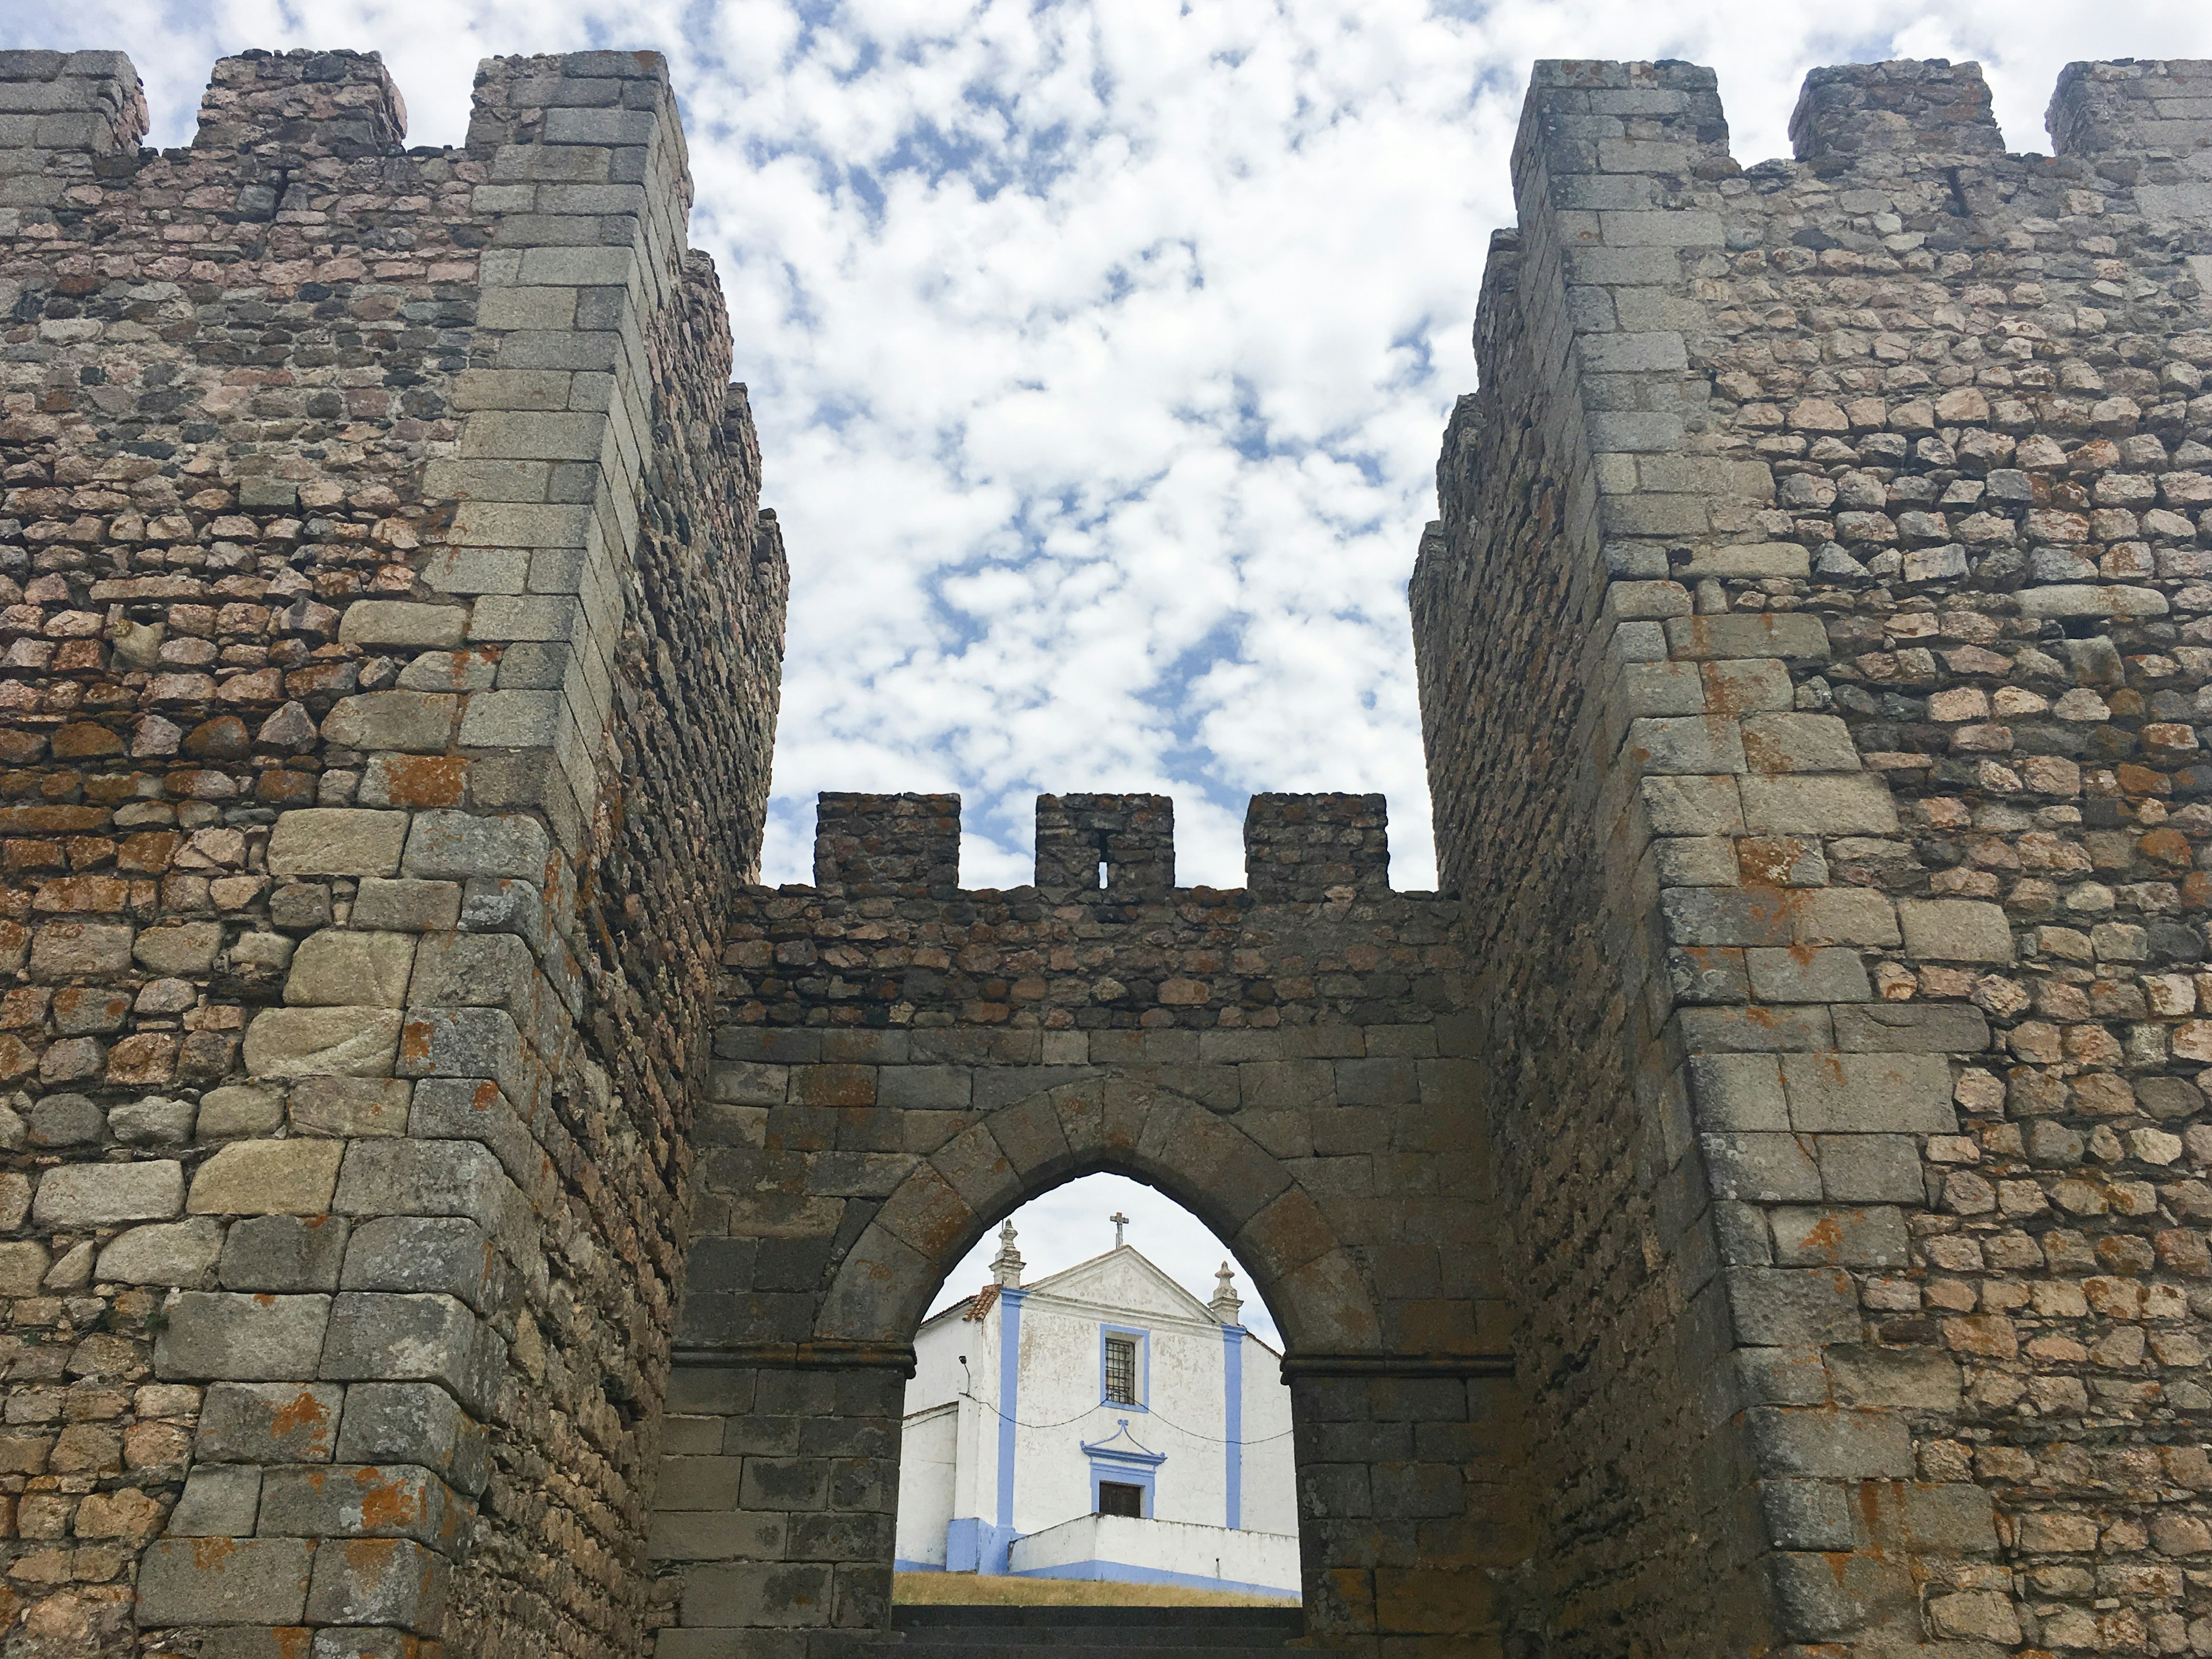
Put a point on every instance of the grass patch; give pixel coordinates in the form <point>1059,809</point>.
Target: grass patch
<point>938,1588</point>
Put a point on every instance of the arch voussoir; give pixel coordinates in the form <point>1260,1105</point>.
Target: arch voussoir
<point>1128,1106</point>
<point>1230,1175</point>
<point>927,1212</point>
<point>1287,1231</point>
<point>1030,1133</point>
<point>879,1291</point>
<point>1327,1306</point>
<point>977,1168</point>
<point>1081,1110</point>
<point>1319,1293</point>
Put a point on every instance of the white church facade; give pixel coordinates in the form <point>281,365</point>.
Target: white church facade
<point>1103,1423</point>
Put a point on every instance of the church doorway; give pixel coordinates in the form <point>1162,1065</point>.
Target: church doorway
<point>1097,1416</point>
<point>1115,1498</point>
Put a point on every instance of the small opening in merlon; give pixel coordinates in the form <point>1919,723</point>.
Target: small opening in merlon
<point>1103,875</point>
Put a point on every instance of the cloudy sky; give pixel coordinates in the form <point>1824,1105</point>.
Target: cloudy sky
<point>1100,350</point>
<point>1074,1222</point>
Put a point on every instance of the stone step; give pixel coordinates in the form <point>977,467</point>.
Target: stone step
<point>1131,1636</point>
<point>1288,1620</point>
<point>1103,1646</point>
<point>981,1632</point>
<point>914,1618</point>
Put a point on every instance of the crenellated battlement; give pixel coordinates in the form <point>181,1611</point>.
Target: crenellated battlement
<point>2161,107</point>
<point>284,108</point>
<point>887,845</point>
<point>1309,848</point>
<point>1121,845</point>
<point>557,124</point>
<point>1304,849</point>
<point>60,111</point>
<point>1933,107</point>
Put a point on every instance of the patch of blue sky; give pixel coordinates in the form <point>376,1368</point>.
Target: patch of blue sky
<point>866,58</point>
<point>1412,363</point>
<point>843,410</point>
<point>1243,422</point>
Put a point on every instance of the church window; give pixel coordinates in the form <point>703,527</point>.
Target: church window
<point>1121,1378</point>
<point>1116,1499</point>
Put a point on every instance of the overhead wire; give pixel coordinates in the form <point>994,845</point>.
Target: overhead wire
<point>1108,1405</point>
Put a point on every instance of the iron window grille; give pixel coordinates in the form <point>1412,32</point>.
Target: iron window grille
<point>1121,1372</point>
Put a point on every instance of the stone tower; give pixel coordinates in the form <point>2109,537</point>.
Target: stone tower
<point>390,662</point>
<point>1811,651</point>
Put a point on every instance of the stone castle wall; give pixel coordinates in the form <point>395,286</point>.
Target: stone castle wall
<point>388,669</point>
<point>901,1063</point>
<point>1621,1329</point>
<point>1861,503</point>
<point>1758,1206</point>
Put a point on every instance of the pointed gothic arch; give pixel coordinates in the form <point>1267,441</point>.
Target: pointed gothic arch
<point>1320,1294</point>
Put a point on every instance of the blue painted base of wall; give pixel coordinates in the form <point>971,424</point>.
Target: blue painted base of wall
<point>972,1545</point>
<point>900,1563</point>
<point>1122,1573</point>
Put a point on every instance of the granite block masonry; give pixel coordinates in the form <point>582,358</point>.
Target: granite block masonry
<point>901,1062</point>
<point>1813,649</point>
<point>387,679</point>
<point>1757,1207</point>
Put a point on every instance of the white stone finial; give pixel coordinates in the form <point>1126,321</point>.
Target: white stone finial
<point>1226,1305</point>
<point>1006,1266</point>
<point>1120,1222</point>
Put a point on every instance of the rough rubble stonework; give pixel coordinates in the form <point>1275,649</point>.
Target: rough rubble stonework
<point>1757,1207</point>
<point>389,664</point>
<point>1813,650</point>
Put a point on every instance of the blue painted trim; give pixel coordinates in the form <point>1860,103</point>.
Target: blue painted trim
<point>1129,1575</point>
<point>1232,1375</point>
<point>1135,1455</point>
<point>900,1563</point>
<point>1010,1399</point>
<point>962,1543</point>
<point>971,1544</point>
<point>1134,1467</point>
<point>1144,1367</point>
<point>1126,1475</point>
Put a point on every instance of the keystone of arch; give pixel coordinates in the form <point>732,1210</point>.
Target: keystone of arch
<point>1318,1293</point>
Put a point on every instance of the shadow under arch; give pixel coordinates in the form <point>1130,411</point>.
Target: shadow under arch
<point>1320,1296</point>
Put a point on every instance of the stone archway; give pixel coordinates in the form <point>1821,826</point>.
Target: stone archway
<point>902,1062</point>
<point>777,1505</point>
<point>1319,1294</point>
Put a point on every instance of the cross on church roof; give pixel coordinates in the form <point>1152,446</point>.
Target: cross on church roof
<point>1120,1222</point>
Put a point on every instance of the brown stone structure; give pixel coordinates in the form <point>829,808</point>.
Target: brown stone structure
<point>1758,1207</point>
<point>901,1063</point>
<point>1812,649</point>
<point>391,656</point>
